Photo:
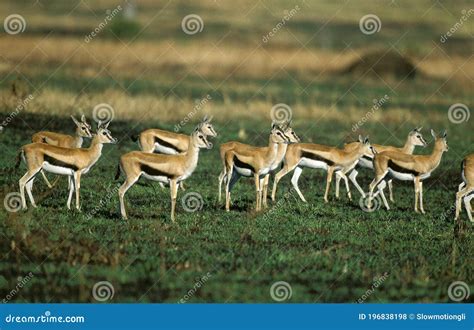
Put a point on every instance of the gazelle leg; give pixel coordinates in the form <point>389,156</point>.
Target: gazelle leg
<point>390,189</point>
<point>77,186</point>
<point>71,191</point>
<point>461,185</point>
<point>46,180</point>
<point>353,178</point>
<point>174,194</point>
<point>221,180</point>
<point>380,190</point>
<point>346,182</point>
<point>129,181</point>
<point>29,191</point>
<point>459,196</point>
<point>22,183</point>
<point>417,193</point>
<point>294,181</point>
<point>227,189</point>
<point>328,183</point>
<point>338,182</point>
<point>278,177</point>
<point>265,189</point>
<point>421,197</point>
<point>257,189</point>
<point>467,204</point>
<point>375,182</point>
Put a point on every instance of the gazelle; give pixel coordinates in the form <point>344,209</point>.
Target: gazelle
<point>466,188</point>
<point>401,166</point>
<point>170,143</point>
<point>331,159</point>
<point>249,161</point>
<point>73,162</point>
<point>83,130</point>
<point>414,138</point>
<point>288,132</point>
<point>169,169</point>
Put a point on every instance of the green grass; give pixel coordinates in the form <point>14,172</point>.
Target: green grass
<point>327,252</point>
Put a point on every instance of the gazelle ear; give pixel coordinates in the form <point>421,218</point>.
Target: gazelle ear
<point>205,119</point>
<point>445,133</point>
<point>366,141</point>
<point>75,121</point>
<point>361,140</point>
<point>433,133</point>
<point>209,119</point>
<point>419,129</point>
<point>274,125</point>
<point>99,124</point>
<point>83,119</point>
<point>106,125</point>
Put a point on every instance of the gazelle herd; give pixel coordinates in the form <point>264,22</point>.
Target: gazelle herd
<point>169,158</point>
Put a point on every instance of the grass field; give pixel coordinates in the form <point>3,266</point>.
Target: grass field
<point>331,252</point>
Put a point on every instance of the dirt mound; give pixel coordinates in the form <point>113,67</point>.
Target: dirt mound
<point>382,63</point>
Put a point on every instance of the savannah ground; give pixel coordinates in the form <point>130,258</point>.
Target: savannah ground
<point>152,74</point>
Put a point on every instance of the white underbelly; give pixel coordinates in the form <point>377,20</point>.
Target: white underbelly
<point>401,176</point>
<point>158,178</point>
<point>243,171</point>
<point>365,163</point>
<point>165,150</point>
<point>305,162</point>
<point>57,169</point>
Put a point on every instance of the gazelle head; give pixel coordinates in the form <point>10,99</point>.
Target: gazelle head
<point>441,141</point>
<point>416,138</point>
<point>83,129</point>
<point>277,135</point>
<point>199,139</point>
<point>103,134</point>
<point>365,147</point>
<point>206,127</point>
<point>290,133</point>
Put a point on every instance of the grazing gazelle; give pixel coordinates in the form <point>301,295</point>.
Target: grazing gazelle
<point>401,166</point>
<point>331,159</point>
<point>83,130</point>
<point>289,133</point>
<point>73,162</point>
<point>249,161</point>
<point>170,143</point>
<point>414,138</point>
<point>466,188</point>
<point>169,169</point>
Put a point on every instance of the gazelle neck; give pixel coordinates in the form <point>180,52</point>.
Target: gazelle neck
<point>272,151</point>
<point>356,153</point>
<point>436,154</point>
<point>281,151</point>
<point>78,140</point>
<point>408,148</point>
<point>192,155</point>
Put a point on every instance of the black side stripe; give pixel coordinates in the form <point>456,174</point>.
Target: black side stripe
<point>400,169</point>
<point>154,172</point>
<point>167,144</point>
<point>241,164</point>
<point>310,155</point>
<point>55,162</point>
